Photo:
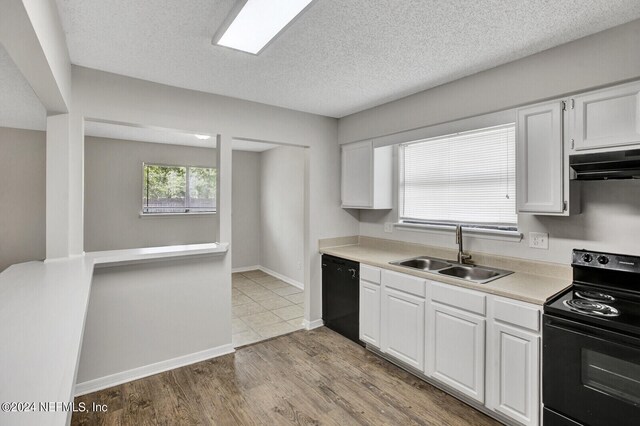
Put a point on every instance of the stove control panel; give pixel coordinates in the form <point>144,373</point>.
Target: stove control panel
<point>611,261</point>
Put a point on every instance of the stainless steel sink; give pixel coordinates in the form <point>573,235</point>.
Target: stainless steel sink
<point>476,274</point>
<point>424,263</point>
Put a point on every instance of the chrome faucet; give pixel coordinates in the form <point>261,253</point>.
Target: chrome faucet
<point>462,256</point>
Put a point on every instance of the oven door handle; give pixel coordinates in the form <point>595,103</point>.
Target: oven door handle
<point>591,331</point>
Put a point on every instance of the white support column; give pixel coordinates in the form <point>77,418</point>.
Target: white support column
<point>76,184</point>
<point>223,203</point>
<point>223,208</point>
<point>65,192</point>
<point>57,186</point>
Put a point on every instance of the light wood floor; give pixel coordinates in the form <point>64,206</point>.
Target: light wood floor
<point>303,378</point>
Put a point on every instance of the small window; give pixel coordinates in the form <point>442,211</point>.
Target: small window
<point>466,178</point>
<point>178,189</point>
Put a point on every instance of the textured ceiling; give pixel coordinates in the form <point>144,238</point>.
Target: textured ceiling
<point>165,136</point>
<point>338,57</point>
<point>19,106</point>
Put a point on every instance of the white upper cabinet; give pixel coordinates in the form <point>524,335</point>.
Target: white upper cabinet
<point>540,159</point>
<point>367,176</point>
<point>606,118</point>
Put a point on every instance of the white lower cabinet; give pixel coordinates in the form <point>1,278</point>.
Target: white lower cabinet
<point>370,313</point>
<point>402,319</point>
<point>513,360</point>
<point>515,373</point>
<point>455,349</point>
<point>485,347</point>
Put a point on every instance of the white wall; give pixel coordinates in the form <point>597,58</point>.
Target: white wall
<point>282,211</point>
<point>246,246</point>
<point>113,196</point>
<point>22,196</point>
<point>600,59</point>
<point>111,97</point>
<point>144,314</point>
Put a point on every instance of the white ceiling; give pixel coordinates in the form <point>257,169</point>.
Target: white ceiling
<point>164,136</point>
<point>20,108</point>
<point>338,57</point>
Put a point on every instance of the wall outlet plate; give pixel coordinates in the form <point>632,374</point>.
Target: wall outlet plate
<point>539,240</point>
<point>388,227</point>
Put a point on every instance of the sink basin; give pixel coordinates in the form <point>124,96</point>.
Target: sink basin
<point>474,273</point>
<point>424,263</point>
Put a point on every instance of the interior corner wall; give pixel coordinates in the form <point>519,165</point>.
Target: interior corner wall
<point>246,226</point>
<point>113,196</point>
<point>282,211</point>
<point>22,196</point>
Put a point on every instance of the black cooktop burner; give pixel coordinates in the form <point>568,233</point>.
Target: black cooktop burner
<point>594,296</point>
<point>590,307</point>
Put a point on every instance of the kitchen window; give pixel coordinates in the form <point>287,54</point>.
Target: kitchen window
<point>178,189</point>
<point>465,178</point>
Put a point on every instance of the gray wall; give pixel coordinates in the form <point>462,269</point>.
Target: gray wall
<point>600,59</point>
<point>610,210</point>
<point>246,227</point>
<point>113,196</point>
<point>282,205</point>
<point>22,196</point>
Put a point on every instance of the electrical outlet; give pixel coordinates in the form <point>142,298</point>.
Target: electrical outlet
<point>539,240</point>
<point>388,227</point>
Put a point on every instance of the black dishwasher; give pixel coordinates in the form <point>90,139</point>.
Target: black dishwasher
<point>341,296</point>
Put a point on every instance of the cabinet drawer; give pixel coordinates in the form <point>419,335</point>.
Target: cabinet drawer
<point>403,282</point>
<point>462,298</point>
<point>516,313</point>
<point>369,273</point>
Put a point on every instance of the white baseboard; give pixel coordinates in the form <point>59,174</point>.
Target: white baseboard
<point>310,325</point>
<point>282,277</point>
<point>149,370</point>
<point>245,268</point>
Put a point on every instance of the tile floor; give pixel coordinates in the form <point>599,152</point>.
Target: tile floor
<point>264,307</point>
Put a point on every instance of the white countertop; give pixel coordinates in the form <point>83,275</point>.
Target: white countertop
<point>43,307</point>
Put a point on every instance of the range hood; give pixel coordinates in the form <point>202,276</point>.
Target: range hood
<point>606,165</point>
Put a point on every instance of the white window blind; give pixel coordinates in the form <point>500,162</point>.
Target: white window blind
<point>466,178</point>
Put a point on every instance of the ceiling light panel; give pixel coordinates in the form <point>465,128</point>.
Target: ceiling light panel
<point>258,22</point>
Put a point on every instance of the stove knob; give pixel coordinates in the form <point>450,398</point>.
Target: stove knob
<point>587,258</point>
<point>603,260</point>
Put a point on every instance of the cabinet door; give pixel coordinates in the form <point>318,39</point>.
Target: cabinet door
<point>539,167</point>
<point>455,349</point>
<point>607,118</point>
<point>357,174</point>
<point>402,331</point>
<point>514,370</point>
<point>370,313</point>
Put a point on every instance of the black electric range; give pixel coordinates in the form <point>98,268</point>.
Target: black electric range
<point>591,344</point>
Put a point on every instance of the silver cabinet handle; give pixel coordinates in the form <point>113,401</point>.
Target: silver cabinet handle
<point>353,272</point>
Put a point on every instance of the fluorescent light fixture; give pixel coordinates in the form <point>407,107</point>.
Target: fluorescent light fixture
<point>203,137</point>
<point>252,24</point>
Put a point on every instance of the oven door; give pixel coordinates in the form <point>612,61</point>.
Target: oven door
<point>590,375</point>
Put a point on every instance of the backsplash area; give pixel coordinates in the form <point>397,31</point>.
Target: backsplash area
<point>609,221</point>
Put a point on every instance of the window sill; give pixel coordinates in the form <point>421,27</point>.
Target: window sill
<point>487,234</point>
<point>169,215</point>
